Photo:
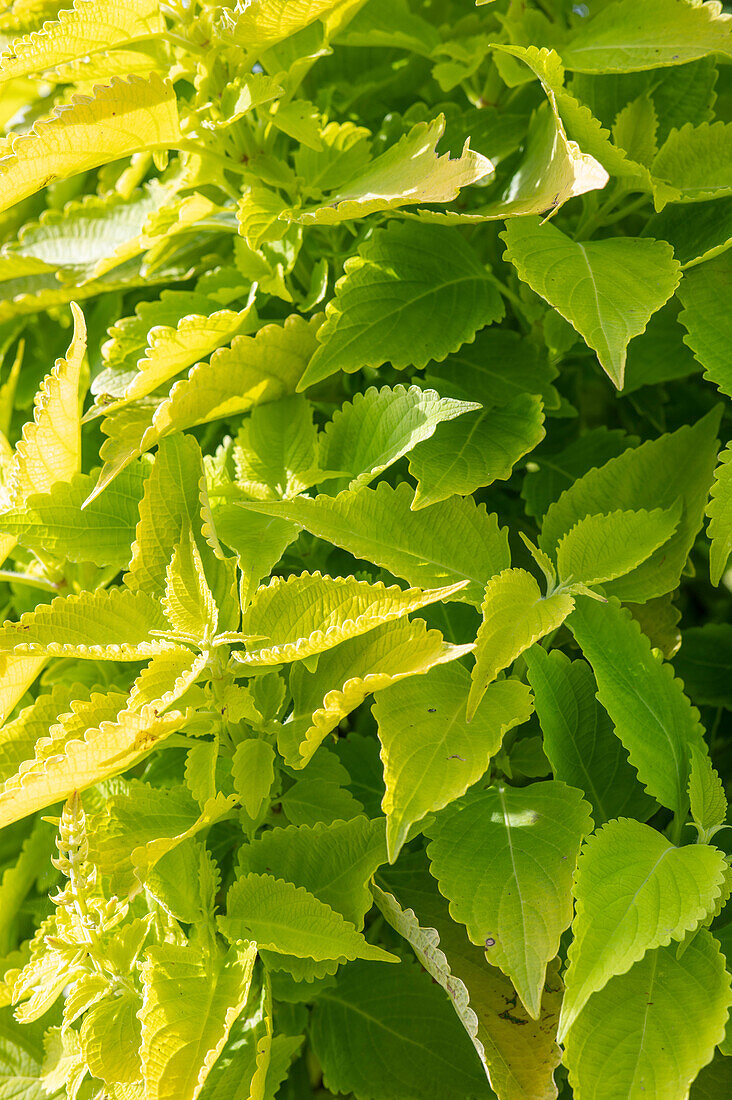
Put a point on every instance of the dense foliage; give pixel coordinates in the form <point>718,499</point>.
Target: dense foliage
<point>366,672</point>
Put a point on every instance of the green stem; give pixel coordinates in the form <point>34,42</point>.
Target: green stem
<point>26,578</point>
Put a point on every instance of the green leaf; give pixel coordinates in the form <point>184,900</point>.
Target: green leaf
<point>85,29</point>
<point>455,540</point>
<point>631,1019</point>
<point>259,542</point>
<point>696,161</point>
<point>497,367</point>
<point>579,738</point>
<point>125,117</point>
<point>102,533</point>
<point>634,892</point>
<point>407,174</point>
<point>275,449</point>
<point>601,287</point>
<point>252,770</point>
<point>704,664</point>
<point>521,1053</point>
<point>438,293</point>
<point>621,39</point>
<point>22,1075</point>
<point>703,291</point>
<point>719,511</point>
<point>557,471</point>
<point>430,754</point>
<point>378,427</point>
<point>348,673</point>
<point>653,718</point>
<point>706,795</point>
<point>600,548</point>
<point>310,613</point>
<point>333,862</point>
<point>697,232</point>
<point>402,1037</point>
<point>190,1002</point>
<point>289,920</point>
<point>504,857</point>
<point>515,615</point>
<point>481,448</point>
<point>114,625</point>
<point>638,479</point>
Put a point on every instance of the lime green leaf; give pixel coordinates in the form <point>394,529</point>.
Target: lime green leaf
<point>102,533</point>
<point>515,615</point>
<point>97,739</point>
<point>378,427</point>
<point>634,892</point>
<point>18,737</point>
<point>114,626</point>
<point>348,673</point>
<point>455,541</point>
<point>287,919</point>
<point>86,28</point>
<point>311,613</point>
<point>631,1019</point>
<point>652,716</point>
<point>601,287</point>
<point>431,755</point>
<point>622,39</point>
<point>254,370</point>
<point>504,858</point>
<point>696,161</point>
<point>16,675</point>
<point>110,1039</point>
<point>275,450</point>
<point>188,603</point>
<point>438,293</point>
<point>333,862</point>
<point>638,479</point>
<point>50,448</point>
<point>262,27</point>
<point>403,1037</point>
<point>703,292</point>
<point>719,511</point>
<point>579,738</point>
<point>706,795</point>
<point>128,116</point>
<point>407,174</point>
<point>479,449</point>
<point>599,548</point>
<point>552,171</point>
<point>190,1002</point>
<point>170,349</point>
<point>252,770</point>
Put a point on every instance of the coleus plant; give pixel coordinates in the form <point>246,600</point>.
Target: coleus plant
<point>350,741</point>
